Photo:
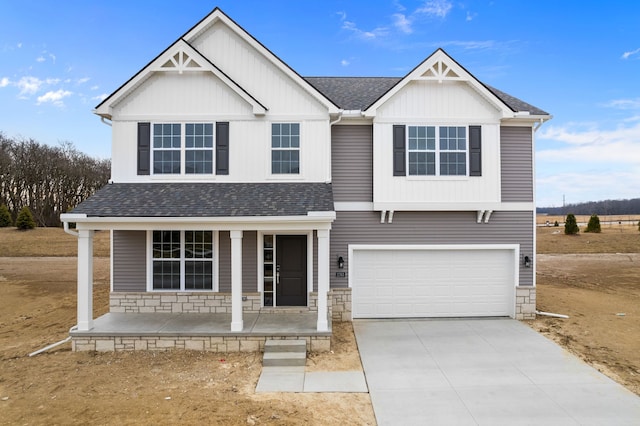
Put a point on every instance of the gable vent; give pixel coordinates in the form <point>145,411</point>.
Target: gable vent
<point>181,62</point>
<point>440,71</point>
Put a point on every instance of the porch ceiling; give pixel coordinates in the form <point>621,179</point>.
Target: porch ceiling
<point>174,200</point>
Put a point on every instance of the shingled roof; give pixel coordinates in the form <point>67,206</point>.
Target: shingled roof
<point>358,93</point>
<point>207,200</point>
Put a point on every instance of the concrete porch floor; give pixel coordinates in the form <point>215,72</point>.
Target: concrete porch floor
<point>192,325</point>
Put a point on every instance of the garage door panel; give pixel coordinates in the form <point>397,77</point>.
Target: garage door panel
<point>432,283</point>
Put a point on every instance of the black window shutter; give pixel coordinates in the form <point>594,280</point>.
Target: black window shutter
<point>399,153</point>
<point>475,151</point>
<point>222,148</point>
<point>144,148</point>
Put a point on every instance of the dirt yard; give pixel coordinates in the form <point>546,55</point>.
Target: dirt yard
<point>581,276</point>
<point>595,279</point>
<point>37,307</point>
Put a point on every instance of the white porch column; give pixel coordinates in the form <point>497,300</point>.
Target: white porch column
<point>323,278</point>
<point>85,280</point>
<point>236,281</point>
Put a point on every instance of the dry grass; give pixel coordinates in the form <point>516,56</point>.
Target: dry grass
<point>612,239</point>
<point>45,242</point>
<point>605,220</point>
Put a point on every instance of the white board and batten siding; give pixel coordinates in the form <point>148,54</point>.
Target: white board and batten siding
<point>255,73</point>
<point>390,281</point>
<point>439,104</point>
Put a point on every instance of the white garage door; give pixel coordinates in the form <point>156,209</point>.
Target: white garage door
<point>432,282</point>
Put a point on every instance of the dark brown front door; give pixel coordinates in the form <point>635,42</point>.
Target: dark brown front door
<point>291,270</point>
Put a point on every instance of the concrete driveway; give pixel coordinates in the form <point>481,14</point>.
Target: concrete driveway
<point>483,372</point>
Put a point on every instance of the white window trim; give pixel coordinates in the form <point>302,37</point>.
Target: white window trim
<point>215,263</point>
<point>437,152</point>
<point>284,176</point>
<point>183,151</point>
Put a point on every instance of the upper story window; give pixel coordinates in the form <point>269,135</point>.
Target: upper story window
<point>199,148</point>
<point>183,148</point>
<point>447,157</point>
<point>285,148</point>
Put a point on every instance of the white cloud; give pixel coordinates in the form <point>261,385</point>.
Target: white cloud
<point>19,45</point>
<point>593,185</point>
<point>627,55</point>
<point>100,98</point>
<point>96,87</point>
<point>402,23</point>
<point>83,80</point>
<point>624,103</point>
<point>616,146</point>
<point>4,82</point>
<point>29,85</point>
<point>437,8</point>
<point>471,44</point>
<point>40,59</point>
<point>471,16</point>
<point>54,97</point>
<point>344,63</point>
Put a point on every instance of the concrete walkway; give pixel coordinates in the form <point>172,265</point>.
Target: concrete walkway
<point>483,372</point>
<point>295,379</point>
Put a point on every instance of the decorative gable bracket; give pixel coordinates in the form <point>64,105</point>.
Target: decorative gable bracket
<point>440,71</point>
<point>180,57</point>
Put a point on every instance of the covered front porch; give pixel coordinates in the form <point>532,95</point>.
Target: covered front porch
<point>205,332</point>
<point>200,271</point>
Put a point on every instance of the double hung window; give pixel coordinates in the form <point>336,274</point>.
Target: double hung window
<point>183,148</point>
<point>182,260</point>
<point>437,151</point>
<point>285,148</point>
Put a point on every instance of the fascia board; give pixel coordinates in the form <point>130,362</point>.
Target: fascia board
<point>219,15</point>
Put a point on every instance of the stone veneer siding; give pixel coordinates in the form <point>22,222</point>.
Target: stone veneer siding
<point>199,343</point>
<point>525,303</point>
<point>338,304</point>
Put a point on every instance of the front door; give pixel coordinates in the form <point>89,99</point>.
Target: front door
<point>291,270</point>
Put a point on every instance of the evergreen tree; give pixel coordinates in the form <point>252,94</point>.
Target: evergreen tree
<point>594,224</point>
<point>571,225</point>
<point>25,219</point>
<point>5,217</point>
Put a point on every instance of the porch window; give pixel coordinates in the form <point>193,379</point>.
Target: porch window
<point>447,157</point>
<point>285,148</point>
<point>182,260</point>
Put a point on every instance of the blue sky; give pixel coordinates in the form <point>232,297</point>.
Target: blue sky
<point>580,61</point>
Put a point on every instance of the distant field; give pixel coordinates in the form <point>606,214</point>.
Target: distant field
<point>42,242</point>
<point>613,239</point>
<point>608,220</point>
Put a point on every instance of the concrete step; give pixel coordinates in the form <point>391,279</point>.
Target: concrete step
<point>285,346</point>
<point>284,359</point>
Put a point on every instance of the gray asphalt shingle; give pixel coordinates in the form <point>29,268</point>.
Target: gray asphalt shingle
<point>358,93</point>
<point>207,200</point>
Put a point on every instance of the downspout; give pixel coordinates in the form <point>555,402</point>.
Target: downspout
<point>538,125</point>
<point>46,348</point>
<point>69,231</point>
<point>337,120</point>
<point>104,121</point>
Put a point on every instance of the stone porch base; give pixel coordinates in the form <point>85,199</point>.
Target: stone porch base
<point>199,343</point>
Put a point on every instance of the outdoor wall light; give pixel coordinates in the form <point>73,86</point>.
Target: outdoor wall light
<point>527,262</point>
<point>340,262</point>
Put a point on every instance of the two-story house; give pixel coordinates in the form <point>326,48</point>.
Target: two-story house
<point>241,189</point>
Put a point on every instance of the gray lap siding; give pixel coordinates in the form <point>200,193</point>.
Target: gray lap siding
<point>504,227</point>
<point>130,261</point>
